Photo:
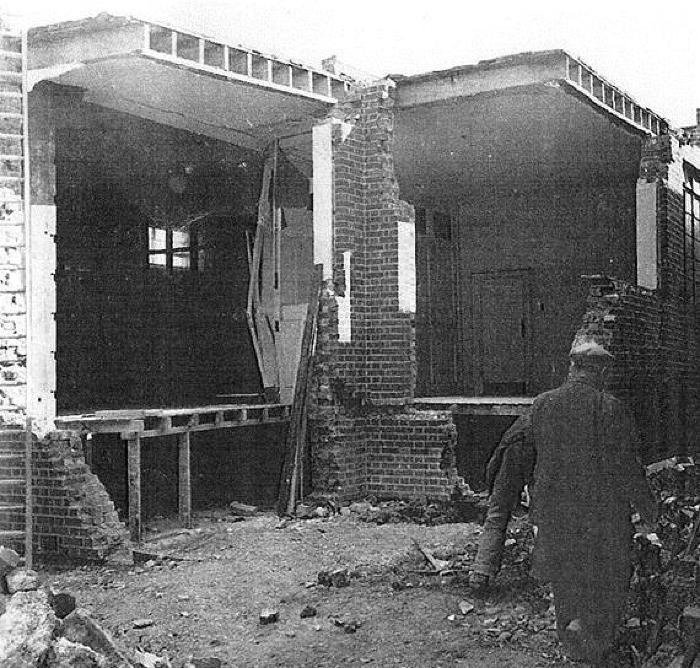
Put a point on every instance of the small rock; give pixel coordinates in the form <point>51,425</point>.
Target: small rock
<point>79,627</point>
<point>290,634</point>
<point>269,616</point>
<point>62,603</point>
<point>504,637</point>
<point>148,660</point>
<point>305,511</point>
<point>9,559</point>
<point>242,509</point>
<point>67,654</point>
<point>142,623</point>
<point>206,662</point>
<point>183,597</point>
<point>465,607</point>
<point>308,611</point>
<point>322,512</point>
<point>21,579</point>
<point>451,617</point>
<point>509,541</point>
<point>633,623</point>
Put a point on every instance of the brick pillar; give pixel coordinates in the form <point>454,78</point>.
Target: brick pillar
<point>73,515</point>
<point>375,228</point>
<point>363,432</point>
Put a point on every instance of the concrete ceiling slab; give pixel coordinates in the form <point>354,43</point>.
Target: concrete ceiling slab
<point>229,110</point>
<point>520,138</point>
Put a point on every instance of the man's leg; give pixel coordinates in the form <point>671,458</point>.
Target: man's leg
<point>505,494</point>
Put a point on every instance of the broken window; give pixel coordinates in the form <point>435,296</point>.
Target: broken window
<point>173,250</point>
<point>691,245</point>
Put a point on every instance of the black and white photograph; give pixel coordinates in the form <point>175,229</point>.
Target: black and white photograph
<point>345,334</point>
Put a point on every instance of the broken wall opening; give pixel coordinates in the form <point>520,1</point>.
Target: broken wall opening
<point>518,193</point>
<point>151,263</point>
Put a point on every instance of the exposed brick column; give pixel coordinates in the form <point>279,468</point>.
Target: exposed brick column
<point>364,434</point>
<point>378,363</point>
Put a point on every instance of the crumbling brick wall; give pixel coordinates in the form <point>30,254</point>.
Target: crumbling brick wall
<point>365,436</point>
<point>656,361</point>
<point>73,516</point>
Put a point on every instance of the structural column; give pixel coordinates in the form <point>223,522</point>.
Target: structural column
<point>134,476</point>
<point>184,485</point>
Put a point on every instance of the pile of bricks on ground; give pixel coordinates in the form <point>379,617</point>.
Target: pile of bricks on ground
<point>40,628</point>
<point>463,507</point>
<point>666,580</point>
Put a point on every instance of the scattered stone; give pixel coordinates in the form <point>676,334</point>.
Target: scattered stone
<point>308,611</point>
<point>148,660</point>
<point>465,607</point>
<point>206,662</point>
<point>62,603</point>
<point>26,629</point>
<point>269,616</point>
<point>79,627</point>
<point>321,511</point>
<point>67,654</point>
<point>348,625</point>
<point>142,623</point>
<point>9,559</point>
<point>242,509</point>
<point>305,511</point>
<point>337,578</point>
<point>290,634</point>
<point>21,579</point>
<point>183,597</point>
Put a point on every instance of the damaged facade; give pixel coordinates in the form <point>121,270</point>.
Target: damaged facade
<point>187,200</point>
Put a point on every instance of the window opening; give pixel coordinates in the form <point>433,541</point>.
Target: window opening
<point>691,234</point>
<point>174,250</point>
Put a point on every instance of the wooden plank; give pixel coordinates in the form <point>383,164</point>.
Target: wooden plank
<point>184,497</point>
<point>100,425</point>
<point>134,475</point>
<point>286,499</point>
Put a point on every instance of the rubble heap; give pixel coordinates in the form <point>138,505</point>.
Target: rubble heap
<point>40,628</point>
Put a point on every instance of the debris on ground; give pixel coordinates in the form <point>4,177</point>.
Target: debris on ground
<point>242,509</point>
<point>308,611</point>
<point>269,616</point>
<point>340,577</point>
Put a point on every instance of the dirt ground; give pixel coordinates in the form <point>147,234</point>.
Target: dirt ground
<point>207,601</point>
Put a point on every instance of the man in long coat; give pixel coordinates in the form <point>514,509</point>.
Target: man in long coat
<point>586,478</point>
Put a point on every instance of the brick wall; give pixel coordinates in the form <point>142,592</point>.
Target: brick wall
<point>411,455</point>
<point>13,317</point>
<point>379,363</point>
<point>365,437</point>
<point>73,515</point>
<point>656,362</point>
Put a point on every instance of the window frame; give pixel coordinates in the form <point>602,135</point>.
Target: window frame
<point>691,234</point>
<point>170,251</point>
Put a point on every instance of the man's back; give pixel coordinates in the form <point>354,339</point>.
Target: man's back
<point>586,475</point>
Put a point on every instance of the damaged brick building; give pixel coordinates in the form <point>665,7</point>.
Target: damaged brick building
<point>183,196</point>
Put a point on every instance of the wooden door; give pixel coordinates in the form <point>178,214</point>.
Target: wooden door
<point>501,332</point>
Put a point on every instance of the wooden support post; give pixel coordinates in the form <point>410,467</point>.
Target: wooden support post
<point>28,506</point>
<point>134,475</point>
<point>184,499</point>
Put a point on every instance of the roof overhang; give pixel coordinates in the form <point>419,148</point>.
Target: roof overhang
<point>526,69</point>
<point>181,79</point>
